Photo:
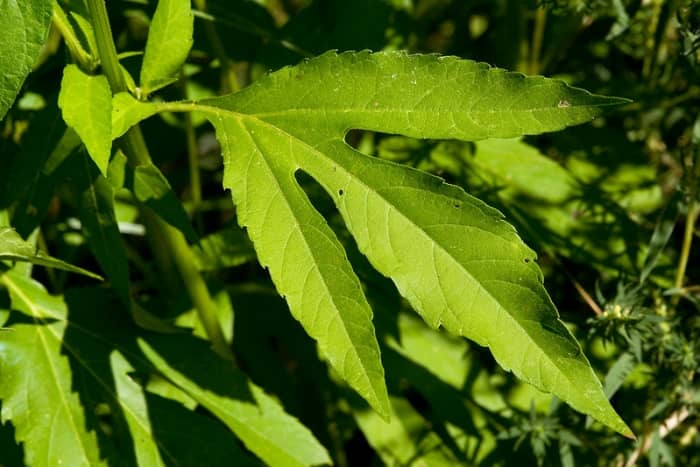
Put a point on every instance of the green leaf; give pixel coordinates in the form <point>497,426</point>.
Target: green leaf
<point>127,112</point>
<point>406,439</point>
<point>23,29</point>
<point>226,248</point>
<point>111,374</point>
<point>617,374</point>
<point>256,418</point>
<point>151,187</point>
<point>86,103</point>
<point>94,355</point>
<point>14,248</point>
<point>455,259</point>
<point>169,42</point>
<point>132,398</point>
<point>99,224</point>
<point>36,382</point>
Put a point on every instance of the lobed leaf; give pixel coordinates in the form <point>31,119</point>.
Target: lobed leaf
<point>454,258</point>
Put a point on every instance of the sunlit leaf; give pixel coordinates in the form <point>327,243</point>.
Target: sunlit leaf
<point>455,259</point>
<point>85,101</point>
<point>169,42</point>
<point>23,29</point>
<point>36,382</point>
<point>257,419</point>
<point>14,248</point>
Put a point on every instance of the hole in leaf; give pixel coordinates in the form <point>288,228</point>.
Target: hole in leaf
<point>341,192</point>
<point>319,198</point>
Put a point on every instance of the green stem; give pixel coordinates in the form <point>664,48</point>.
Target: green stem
<point>105,45</point>
<point>134,146</point>
<point>227,72</point>
<point>86,61</point>
<point>537,38</point>
<point>650,42</point>
<point>192,157</point>
<point>688,234</point>
<point>195,285</point>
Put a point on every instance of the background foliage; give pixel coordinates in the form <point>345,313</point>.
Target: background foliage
<point>610,207</point>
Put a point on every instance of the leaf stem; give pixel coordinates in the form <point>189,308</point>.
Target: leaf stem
<point>228,74</point>
<point>134,146</point>
<point>105,45</point>
<point>192,156</point>
<point>537,38</point>
<point>650,43</point>
<point>196,287</point>
<point>85,60</point>
<point>688,234</point>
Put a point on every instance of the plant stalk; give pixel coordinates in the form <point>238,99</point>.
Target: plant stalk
<point>537,38</point>
<point>134,146</point>
<point>688,234</point>
<point>192,156</point>
<point>228,74</point>
<point>86,61</point>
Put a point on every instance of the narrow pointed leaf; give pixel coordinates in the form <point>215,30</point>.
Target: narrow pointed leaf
<point>169,42</point>
<point>257,419</point>
<point>454,258</point>
<point>132,397</point>
<point>86,103</point>
<point>23,29</point>
<point>14,248</point>
<point>35,387</point>
<point>151,187</point>
<point>96,209</point>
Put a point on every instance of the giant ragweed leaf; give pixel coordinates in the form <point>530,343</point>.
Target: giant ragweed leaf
<point>36,382</point>
<point>454,258</point>
<point>66,370</point>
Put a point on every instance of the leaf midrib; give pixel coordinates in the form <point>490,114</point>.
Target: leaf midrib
<point>502,310</point>
<point>314,110</point>
<point>43,338</point>
<point>221,112</point>
<point>311,253</point>
<point>87,368</point>
<point>204,396</point>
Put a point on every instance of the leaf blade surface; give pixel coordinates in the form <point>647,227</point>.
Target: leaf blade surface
<point>169,41</point>
<point>50,423</point>
<point>23,28</point>
<point>453,257</point>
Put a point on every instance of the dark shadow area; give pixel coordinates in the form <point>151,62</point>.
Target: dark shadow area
<point>12,453</point>
<point>97,327</point>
